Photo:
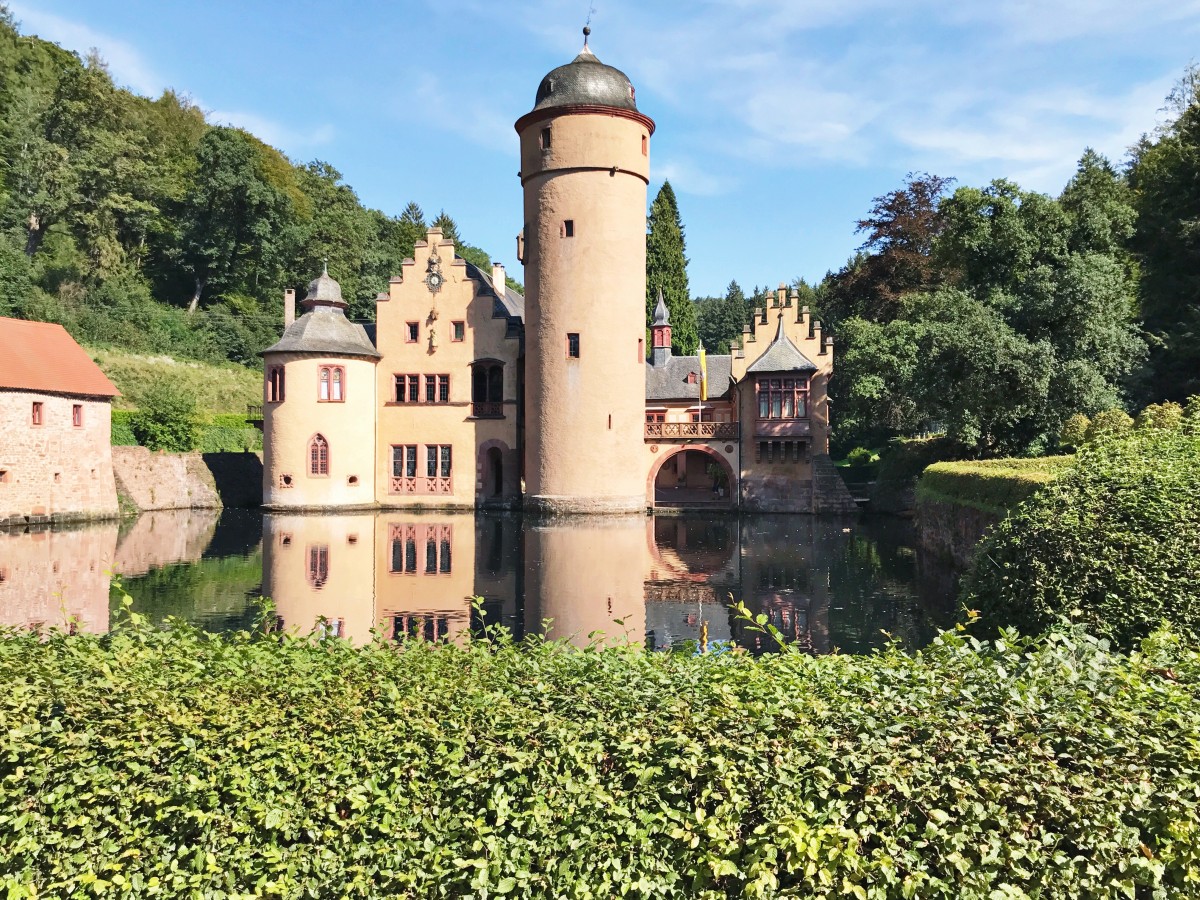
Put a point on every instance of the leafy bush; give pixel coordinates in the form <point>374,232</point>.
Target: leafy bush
<point>224,388</point>
<point>1191,409</point>
<point>996,485</point>
<point>166,419</point>
<point>225,439</point>
<point>177,764</point>
<point>1160,415</point>
<point>1074,431</point>
<point>1113,542</point>
<point>861,456</point>
<point>1108,422</point>
<point>122,428</point>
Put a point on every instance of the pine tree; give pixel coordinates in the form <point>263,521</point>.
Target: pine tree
<point>666,268</point>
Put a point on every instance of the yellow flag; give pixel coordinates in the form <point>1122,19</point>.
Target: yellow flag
<point>703,375</point>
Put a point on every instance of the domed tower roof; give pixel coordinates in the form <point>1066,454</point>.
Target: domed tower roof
<point>585,81</point>
<point>323,291</point>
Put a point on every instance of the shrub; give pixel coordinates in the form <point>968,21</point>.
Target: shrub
<point>1191,409</point>
<point>861,456</point>
<point>166,419</point>
<point>1114,542</point>
<point>122,428</point>
<point>177,764</point>
<point>1160,415</point>
<point>1074,431</point>
<point>996,485</point>
<point>1109,422</point>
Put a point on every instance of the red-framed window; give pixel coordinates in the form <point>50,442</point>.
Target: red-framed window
<point>404,460</point>
<point>412,331</point>
<point>782,398</point>
<point>275,384</point>
<point>77,415</point>
<point>331,384</point>
<point>653,417</point>
<point>458,330</point>
<point>318,456</point>
<point>35,415</point>
<point>437,460</point>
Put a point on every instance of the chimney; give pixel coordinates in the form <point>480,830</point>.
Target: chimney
<point>289,307</point>
<point>498,277</point>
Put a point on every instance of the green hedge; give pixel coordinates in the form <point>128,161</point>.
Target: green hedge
<point>122,428</point>
<point>1114,542</point>
<point>995,485</point>
<point>177,764</point>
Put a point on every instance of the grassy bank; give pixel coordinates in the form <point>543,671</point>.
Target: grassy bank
<point>176,764</point>
<point>218,389</point>
<point>993,485</point>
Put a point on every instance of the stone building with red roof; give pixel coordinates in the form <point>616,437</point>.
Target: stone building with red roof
<point>55,428</point>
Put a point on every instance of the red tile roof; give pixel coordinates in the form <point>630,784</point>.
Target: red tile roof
<point>41,356</point>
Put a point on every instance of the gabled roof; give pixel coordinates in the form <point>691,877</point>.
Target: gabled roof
<point>669,381</point>
<point>782,356</point>
<point>41,356</point>
<point>325,330</point>
<point>510,303</point>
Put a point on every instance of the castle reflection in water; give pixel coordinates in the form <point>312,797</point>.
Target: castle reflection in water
<point>824,583</point>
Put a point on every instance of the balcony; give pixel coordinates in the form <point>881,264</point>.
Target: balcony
<point>689,431</point>
<point>487,410</point>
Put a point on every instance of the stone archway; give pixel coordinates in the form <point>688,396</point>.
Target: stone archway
<point>685,476</point>
<point>495,473</point>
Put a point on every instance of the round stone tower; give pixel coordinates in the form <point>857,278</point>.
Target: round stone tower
<point>585,164</point>
<point>319,407</point>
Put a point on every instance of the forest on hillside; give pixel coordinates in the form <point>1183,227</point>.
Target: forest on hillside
<point>137,224</point>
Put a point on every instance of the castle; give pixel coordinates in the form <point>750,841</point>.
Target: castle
<point>464,393</point>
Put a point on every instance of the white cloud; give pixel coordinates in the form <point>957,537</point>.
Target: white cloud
<point>688,178</point>
<point>458,113</point>
<point>127,66</point>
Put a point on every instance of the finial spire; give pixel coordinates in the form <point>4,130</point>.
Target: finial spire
<point>587,30</point>
<point>325,266</point>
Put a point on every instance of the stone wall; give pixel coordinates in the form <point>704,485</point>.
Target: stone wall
<point>952,530</point>
<point>56,470</point>
<point>164,480</point>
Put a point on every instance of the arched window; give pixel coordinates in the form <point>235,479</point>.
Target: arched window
<point>318,456</point>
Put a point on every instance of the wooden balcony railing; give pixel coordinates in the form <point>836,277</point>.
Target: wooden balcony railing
<point>682,431</point>
<point>487,410</point>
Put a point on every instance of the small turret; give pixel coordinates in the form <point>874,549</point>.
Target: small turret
<point>660,333</point>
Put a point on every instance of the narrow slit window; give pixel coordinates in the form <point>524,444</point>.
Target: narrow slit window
<point>275,385</point>
<point>645,145</point>
<point>77,415</point>
<point>545,138</point>
<point>573,345</point>
<point>457,331</point>
<point>412,332</point>
<point>568,229</point>
<point>36,413</point>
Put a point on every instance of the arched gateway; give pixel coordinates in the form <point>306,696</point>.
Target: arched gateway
<point>693,475</point>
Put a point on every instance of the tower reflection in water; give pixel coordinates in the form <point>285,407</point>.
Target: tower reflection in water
<point>824,584</point>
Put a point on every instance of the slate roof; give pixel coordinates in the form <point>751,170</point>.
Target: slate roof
<point>325,330</point>
<point>585,81</point>
<point>42,356</point>
<point>662,315</point>
<point>669,381</point>
<point>509,304</point>
<point>782,356</point>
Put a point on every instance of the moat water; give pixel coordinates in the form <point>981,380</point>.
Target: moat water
<point>825,583</point>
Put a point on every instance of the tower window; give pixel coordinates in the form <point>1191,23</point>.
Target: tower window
<point>318,456</point>
<point>568,228</point>
<point>411,335</point>
<point>645,145</point>
<point>275,384</point>
<point>573,345</point>
<point>545,138</point>
<point>332,380</point>
<point>457,331</point>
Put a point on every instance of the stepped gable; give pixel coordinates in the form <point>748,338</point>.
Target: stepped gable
<point>42,356</point>
<point>669,380</point>
<point>324,328</point>
<point>782,356</point>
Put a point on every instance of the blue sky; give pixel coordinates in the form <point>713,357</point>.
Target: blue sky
<point>778,121</point>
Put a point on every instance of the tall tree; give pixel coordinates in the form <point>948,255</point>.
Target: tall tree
<point>896,258</point>
<point>719,320</point>
<point>666,270</point>
<point>1165,176</point>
